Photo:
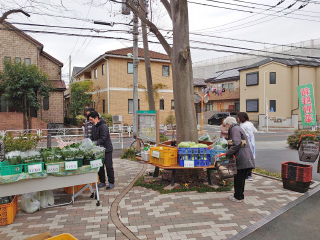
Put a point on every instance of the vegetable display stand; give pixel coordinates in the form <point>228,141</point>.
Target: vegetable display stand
<point>8,212</point>
<point>308,150</point>
<point>163,156</point>
<point>6,169</point>
<point>64,236</point>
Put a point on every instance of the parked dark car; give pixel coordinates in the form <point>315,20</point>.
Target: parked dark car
<point>216,119</point>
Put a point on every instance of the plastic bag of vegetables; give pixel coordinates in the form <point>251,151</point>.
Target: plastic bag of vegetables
<point>13,158</point>
<point>205,137</point>
<point>48,155</point>
<point>69,153</point>
<point>98,152</point>
<point>221,144</point>
<point>31,157</point>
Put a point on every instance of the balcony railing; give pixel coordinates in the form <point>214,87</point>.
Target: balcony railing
<point>227,94</point>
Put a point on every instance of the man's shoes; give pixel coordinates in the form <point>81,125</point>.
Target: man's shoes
<point>110,186</point>
<point>233,199</point>
<point>249,178</point>
<point>101,185</point>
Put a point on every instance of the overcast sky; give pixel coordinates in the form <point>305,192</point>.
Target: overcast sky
<point>260,25</point>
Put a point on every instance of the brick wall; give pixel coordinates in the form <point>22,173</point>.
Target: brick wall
<point>14,121</point>
<point>13,45</point>
<point>55,112</point>
<point>52,69</point>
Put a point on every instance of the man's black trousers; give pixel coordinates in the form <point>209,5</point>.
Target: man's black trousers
<point>109,167</point>
<point>239,182</point>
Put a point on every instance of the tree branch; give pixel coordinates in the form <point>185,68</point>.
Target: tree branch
<point>167,5</point>
<point>6,14</point>
<point>153,28</point>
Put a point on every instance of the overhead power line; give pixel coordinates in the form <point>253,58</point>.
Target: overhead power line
<point>193,47</point>
<point>191,33</point>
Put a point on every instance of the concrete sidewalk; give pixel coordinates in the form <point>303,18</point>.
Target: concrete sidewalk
<point>146,214</point>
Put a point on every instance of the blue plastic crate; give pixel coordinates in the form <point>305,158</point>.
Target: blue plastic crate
<point>202,163</point>
<point>192,153</point>
<point>214,153</point>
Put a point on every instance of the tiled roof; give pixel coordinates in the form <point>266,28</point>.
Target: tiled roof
<point>58,84</point>
<point>230,74</point>
<point>199,82</point>
<point>125,51</point>
<point>77,69</point>
<point>288,62</point>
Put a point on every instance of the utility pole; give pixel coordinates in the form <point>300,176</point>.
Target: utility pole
<point>135,73</point>
<point>70,77</point>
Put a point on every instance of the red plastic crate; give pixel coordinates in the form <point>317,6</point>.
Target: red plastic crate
<point>296,171</point>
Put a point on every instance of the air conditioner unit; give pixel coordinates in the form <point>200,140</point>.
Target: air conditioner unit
<point>116,118</point>
<point>117,127</point>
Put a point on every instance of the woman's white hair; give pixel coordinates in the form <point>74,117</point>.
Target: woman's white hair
<point>230,120</point>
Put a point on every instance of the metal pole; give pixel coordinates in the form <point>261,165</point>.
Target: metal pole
<point>48,140</point>
<point>70,77</point>
<point>135,72</point>
<point>202,116</point>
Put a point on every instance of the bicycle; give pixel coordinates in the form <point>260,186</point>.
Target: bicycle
<point>134,145</point>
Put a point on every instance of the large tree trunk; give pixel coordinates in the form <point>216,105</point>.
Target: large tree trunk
<point>147,59</point>
<point>182,75</point>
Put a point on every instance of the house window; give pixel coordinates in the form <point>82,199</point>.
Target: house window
<point>17,60</point>
<point>219,86</point>
<point>272,106</point>
<point>3,104</point>
<point>252,105</point>
<point>165,71</point>
<point>272,78</point>
<point>7,59</point>
<point>130,105</point>
<point>225,85</point>
<point>95,73</point>
<point>104,106</point>
<point>252,79</point>
<point>230,86</point>
<point>46,103</point>
<point>161,104</point>
<point>130,68</point>
<point>103,69</point>
<point>27,61</point>
<point>209,106</point>
<point>172,104</point>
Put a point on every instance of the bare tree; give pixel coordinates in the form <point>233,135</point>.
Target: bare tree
<point>180,58</point>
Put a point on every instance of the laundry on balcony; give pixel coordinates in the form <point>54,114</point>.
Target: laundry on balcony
<point>223,89</point>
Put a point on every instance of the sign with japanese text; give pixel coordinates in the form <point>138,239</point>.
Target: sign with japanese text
<point>96,163</point>
<point>53,168</point>
<point>306,103</point>
<point>35,168</point>
<point>71,165</point>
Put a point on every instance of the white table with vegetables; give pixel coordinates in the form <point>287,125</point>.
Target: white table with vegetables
<point>48,169</point>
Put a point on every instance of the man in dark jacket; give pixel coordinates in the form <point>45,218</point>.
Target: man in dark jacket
<point>88,125</point>
<point>100,134</point>
<point>244,158</point>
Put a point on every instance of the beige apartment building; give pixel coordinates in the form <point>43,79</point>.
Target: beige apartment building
<point>17,46</point>
<point>270,87</point>
<point>112,77</point>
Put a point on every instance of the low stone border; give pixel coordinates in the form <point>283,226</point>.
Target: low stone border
<point>115,205</point>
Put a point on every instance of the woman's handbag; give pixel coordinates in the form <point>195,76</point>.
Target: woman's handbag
<point>226,167</point>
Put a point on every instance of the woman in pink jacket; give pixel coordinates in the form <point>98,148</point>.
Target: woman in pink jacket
<point>224,130</point>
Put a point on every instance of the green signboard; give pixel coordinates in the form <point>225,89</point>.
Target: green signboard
<point>306,103</point>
